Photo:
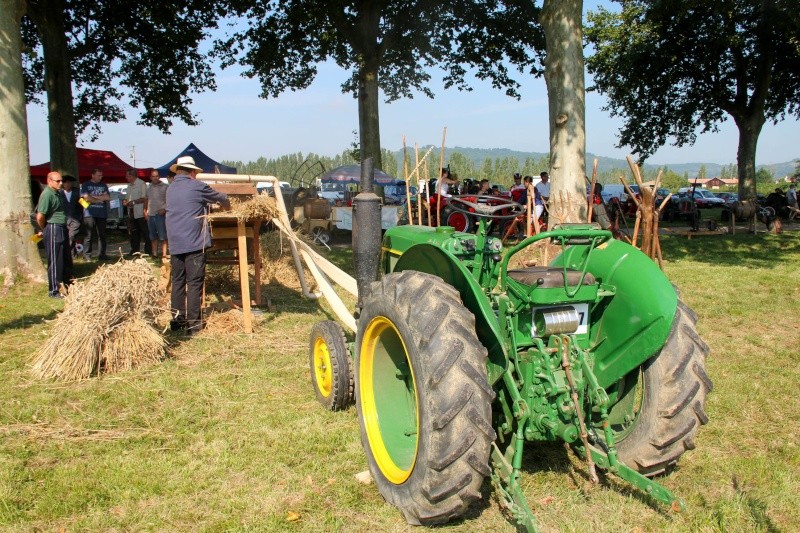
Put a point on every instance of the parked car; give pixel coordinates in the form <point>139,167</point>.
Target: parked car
<point>613,190</point>
<point>396,194</point>
<point>729,198</point>
<point>706,198</point>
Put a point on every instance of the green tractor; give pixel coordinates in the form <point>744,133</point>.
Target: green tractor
<point>458,360</point>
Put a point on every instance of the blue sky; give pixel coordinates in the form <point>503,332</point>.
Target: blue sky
<point>238,125</point>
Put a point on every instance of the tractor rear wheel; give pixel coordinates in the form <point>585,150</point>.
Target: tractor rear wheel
<point>423,398</point>
<point>458,220</point>
<point>661,403</point>
<point>331,372</point>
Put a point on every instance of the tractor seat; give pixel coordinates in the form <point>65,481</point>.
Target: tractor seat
<point>551,277</point>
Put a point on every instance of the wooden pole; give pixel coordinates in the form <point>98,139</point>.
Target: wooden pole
<point>419,183</point>
<point>591,191</point>
<point>406,178</point>
<point>244,280</point>
<point>438,200</point>
<point>529,205</point>
<point>439,182</point>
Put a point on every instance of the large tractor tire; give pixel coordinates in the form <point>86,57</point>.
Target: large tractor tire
<point>423,399</point>
<point>331,371</point>
<point>661,404</point>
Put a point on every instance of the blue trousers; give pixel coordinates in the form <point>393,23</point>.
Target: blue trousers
<point>59,258</point>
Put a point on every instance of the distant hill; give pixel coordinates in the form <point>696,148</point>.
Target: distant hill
<point>604,164</point>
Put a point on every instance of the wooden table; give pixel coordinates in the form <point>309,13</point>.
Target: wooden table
<point>243,237</point>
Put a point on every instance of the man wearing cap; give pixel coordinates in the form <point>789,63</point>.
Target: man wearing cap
<point>51,217</point>
<point>517,190</point>
<point>189,236</point>
<point>74,211</point>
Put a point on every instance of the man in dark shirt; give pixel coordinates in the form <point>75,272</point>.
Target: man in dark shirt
<point>51,217</point>
<point>189,236</point>
<point>95,192</point>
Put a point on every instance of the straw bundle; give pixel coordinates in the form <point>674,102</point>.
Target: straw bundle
<point>106,325</point>
<point>258,206</point>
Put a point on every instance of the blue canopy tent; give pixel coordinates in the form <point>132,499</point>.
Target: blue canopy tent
<point>200,159</point>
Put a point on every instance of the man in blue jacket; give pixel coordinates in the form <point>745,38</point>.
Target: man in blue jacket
<point>189,236</point>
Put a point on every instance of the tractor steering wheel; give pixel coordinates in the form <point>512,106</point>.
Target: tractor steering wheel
<point>462,205</point>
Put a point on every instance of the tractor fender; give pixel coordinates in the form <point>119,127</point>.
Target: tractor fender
<point>433,260</point>
<point>631,326</point>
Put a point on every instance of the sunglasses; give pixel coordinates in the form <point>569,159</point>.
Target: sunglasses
<point>56,181</point>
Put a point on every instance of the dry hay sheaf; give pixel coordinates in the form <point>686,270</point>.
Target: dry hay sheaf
<point>106,325</point>
<point>258,206</point>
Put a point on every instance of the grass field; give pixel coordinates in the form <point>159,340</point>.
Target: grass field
<point>226,435</point>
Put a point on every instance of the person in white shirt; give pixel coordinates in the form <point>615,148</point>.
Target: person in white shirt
<point>443,187</point>
<point>136,202</point>
<point>543,187</point>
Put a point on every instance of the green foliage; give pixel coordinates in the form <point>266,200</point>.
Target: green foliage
<point>296,167</point>
<point>389,46</point>
<point>672,180</point>
<point>673,69</point>
<point>763,175</point>
<point>146,54</point>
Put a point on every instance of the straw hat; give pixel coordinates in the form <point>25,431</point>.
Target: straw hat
<point>186,162</point>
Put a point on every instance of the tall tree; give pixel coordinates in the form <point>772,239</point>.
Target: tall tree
<point>562,23</point>
<point>18,255</point>
<point>671,68</point>
<point>145,54</point>
<point>387,45</point>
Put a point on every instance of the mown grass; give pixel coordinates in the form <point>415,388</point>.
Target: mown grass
<point>227,436</point>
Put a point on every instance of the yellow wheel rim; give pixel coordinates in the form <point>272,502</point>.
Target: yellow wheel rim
<point>323,373</point>
<point>391,419</point>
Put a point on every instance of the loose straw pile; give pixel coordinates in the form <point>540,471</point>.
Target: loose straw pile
<point>106,325</point>
<point>231,321</point>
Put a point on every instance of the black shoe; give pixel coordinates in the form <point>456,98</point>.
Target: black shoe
<point>177,324</point>
<point>56,296</point>
<point>103,257</point>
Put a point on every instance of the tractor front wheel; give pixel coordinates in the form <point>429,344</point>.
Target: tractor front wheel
<point>331,372</point>
<point>660,405</point>
<point>423,398</point>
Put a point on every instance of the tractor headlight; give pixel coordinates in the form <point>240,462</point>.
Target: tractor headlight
<point>556,321</point>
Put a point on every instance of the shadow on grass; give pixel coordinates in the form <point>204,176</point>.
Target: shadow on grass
<point>745,250</point>
<point>554,457</point>
<point>27,320</point>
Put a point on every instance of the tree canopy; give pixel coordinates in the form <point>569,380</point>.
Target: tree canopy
<point>673,68</point>
<point>144,54</point>
<point>389,45</point>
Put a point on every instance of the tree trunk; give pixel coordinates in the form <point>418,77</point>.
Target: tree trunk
<point>749,130</point>
<point>368,118</point>
<point>561,20</point>
<point>48,15</point>
<point>18,255</point>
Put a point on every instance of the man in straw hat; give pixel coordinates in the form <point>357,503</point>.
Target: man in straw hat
<point>51,217</point>
<point>189,236</point>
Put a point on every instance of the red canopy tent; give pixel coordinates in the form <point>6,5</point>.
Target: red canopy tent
<point>114,168</point>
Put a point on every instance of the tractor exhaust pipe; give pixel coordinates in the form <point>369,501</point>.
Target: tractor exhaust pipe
<point>366,233</point>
